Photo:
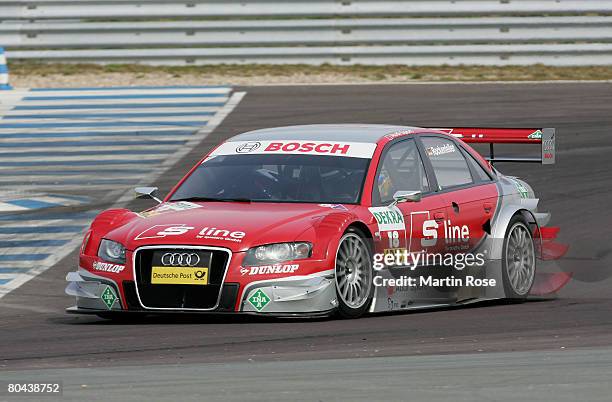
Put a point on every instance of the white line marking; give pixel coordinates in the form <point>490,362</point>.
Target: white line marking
<point>4,207</point>
<point>78,130</point>
<point>145,121</point>
<point>166,101</point>
<point>51,159</point>
<point>124,137</point>
<point>39,236</point>
<point>25,250</point>
<point>117,110</point>
<point>153,91</point>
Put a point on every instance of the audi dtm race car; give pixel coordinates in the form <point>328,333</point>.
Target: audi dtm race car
<point>318,219</point>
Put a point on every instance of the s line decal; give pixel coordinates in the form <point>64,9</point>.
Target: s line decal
<point>452,233</point>
<point>161,231</point>
<point>221,234</point>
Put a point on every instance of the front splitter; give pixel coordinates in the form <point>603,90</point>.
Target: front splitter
<point>119,313</point>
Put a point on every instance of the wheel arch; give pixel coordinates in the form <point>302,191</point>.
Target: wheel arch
<point>362,227</point>
<point>334,243</point>
<point>499,228</point>
<point>365,230</point>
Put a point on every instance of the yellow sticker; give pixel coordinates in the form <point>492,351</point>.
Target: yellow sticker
<point>394,251</point>
<point>179,276</point>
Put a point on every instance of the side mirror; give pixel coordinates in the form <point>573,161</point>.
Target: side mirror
<point>406,196</point>
<point>147,192</point>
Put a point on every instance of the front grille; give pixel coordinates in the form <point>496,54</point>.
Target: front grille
<point>131,299</point>
<point>175,296</point>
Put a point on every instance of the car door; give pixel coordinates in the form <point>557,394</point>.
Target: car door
<point>468,190</point>
<point>470,196</point>
<point>401,168</point>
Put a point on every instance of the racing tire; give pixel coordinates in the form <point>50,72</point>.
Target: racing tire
<point>353,274</point>
<point>518,260</point>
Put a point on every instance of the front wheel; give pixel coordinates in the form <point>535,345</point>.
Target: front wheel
<point>353,274</point>
<point>519,262</point>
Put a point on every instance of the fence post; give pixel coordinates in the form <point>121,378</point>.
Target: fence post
<point>4,76</point>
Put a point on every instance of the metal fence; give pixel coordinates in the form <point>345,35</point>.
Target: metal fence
<point>501,32</point>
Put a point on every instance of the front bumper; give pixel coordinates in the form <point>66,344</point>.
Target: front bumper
<point>309,295</point>
<point>93,291</point>
<point>295,294</point>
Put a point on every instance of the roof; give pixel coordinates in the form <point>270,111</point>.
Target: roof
<point>369,133</point>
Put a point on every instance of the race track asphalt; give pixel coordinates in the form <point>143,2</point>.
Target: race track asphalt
<point>36,333</point>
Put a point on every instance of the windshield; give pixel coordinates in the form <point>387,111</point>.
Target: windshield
<point>276,178</point>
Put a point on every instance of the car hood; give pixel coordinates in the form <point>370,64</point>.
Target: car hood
<point>234,225</point>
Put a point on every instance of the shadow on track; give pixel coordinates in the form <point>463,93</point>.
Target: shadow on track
<point>233,319</point>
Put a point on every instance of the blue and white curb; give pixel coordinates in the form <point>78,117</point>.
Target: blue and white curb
<point>4,76</point>
<point>34,202</point>
<point>69,146</point>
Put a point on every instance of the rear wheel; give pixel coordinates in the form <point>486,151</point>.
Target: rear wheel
<point>519,262</point>
<point>353,274</point>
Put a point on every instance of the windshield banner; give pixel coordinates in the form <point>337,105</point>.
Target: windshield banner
<point>296,147</point>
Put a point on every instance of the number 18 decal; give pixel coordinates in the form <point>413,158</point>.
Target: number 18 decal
<point>394,241</point>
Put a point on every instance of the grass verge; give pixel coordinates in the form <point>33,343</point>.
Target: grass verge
<point>262,74</point>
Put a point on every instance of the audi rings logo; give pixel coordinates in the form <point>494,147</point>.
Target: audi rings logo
<point>248,147</point>
<point>180,259</point>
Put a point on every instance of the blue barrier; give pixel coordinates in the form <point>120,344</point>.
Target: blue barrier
<point>4,76</point>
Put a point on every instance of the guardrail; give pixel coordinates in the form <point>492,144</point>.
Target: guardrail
<point>122,9</point>
<point>305,32</point>
<point>554,55</point>
<point>76,31</point>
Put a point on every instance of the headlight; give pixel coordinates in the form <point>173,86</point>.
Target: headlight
<point>279,252</point>
<point>112,251</point>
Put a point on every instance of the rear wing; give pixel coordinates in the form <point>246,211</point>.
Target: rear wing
<point>544,137</point>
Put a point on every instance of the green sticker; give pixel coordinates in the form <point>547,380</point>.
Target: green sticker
<point>259,300</point>
<point>108,297</point>
<point>524,193</point>
<point>536,135</point>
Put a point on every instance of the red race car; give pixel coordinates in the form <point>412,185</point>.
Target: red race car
<point>317,219</point>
